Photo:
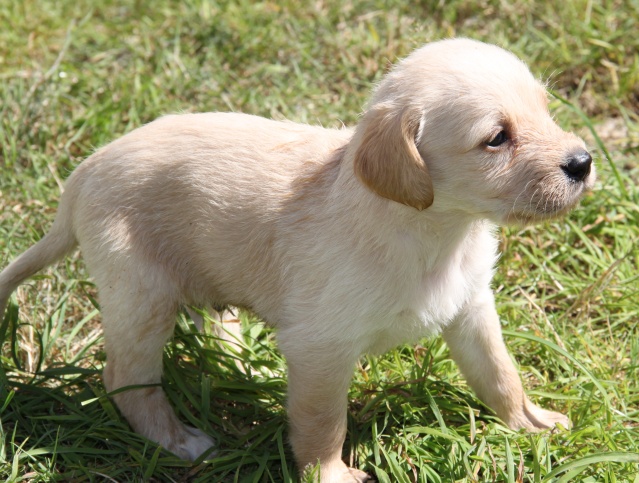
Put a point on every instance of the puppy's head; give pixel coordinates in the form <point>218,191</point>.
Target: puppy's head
<point>465,126</point>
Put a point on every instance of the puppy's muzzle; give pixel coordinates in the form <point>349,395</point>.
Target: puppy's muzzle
<point>577,166</point>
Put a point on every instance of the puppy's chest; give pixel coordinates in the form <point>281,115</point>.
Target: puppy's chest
<point>442,293</point>
<point>445,288</point>
<point>435,296</point>
<point>426,305</point>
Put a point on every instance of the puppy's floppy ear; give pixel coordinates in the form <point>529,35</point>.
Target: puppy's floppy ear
<point>387,159</point>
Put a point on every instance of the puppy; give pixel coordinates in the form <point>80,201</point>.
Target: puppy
<point>348,241</point>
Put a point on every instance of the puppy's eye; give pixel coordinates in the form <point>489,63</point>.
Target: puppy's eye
<point>500,138</point>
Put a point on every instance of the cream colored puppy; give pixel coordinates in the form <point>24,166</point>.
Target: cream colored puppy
<point>348,241</point>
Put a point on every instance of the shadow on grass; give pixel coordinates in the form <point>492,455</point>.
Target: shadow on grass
<point>60,422</point>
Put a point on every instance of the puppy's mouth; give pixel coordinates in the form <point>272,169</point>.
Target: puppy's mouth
<point>549,200</point>
<point>555,203</point>
<point>530,217</point>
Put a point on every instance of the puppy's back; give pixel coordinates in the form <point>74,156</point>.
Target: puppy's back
<point>200,195</point>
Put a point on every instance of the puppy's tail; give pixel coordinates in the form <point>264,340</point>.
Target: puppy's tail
<point>59,241</point>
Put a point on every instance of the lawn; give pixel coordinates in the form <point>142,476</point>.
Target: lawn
<point>75,75</point>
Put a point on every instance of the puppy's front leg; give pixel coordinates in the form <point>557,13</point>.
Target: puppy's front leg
<point>318,380</point>
<point>476,344</point>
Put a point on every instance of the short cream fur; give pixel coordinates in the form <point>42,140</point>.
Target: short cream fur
<point>348,241</point>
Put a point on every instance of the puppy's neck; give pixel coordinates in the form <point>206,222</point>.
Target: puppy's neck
<point>370,219</point>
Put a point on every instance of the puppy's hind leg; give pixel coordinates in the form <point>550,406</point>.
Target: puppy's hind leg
<point>138,311</point>
<point>476,344</point>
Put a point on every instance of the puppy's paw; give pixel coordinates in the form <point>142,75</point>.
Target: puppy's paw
<point>192,443</point>
<point>542,419</point>
<point>344,474</point>
<point>534,418</point>
<point>336,472</point>
<point>358,476</point>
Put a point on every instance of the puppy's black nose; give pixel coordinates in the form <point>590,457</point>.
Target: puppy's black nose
<point>577,166</point>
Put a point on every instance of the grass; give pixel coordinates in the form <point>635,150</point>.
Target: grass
<point>75,75</point>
